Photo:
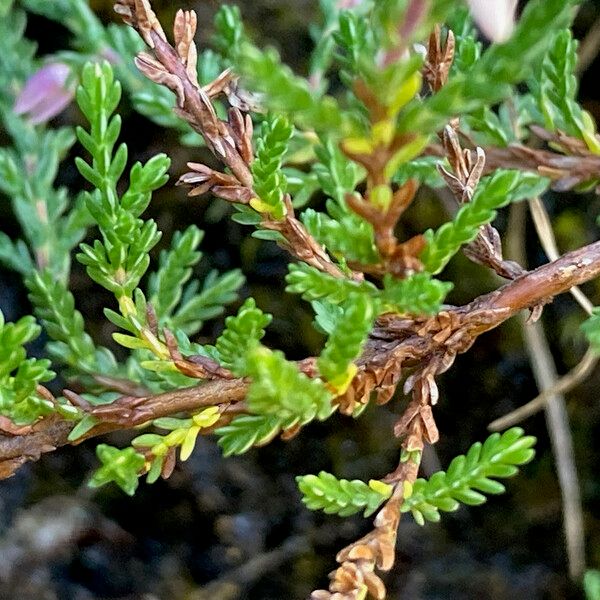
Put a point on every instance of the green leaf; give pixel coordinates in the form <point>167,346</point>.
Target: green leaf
<point>189,443</point>
<point>269,235</point>
<point>129,341</point>
<point>171,423</point>
<point>341,496</point>
<point>147,440</point>
<point>247,431</point>
<point>86,424</point>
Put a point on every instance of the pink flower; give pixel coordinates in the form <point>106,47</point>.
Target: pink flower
<point>45,94</point>
<point>495,18</point>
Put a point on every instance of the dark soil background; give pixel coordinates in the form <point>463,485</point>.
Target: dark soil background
<point>235,529</point>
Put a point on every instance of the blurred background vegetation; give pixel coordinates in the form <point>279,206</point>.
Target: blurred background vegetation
<point>235,529</point>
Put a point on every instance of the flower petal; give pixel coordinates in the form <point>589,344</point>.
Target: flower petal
<point>495,18</point>
<point>45,94</point>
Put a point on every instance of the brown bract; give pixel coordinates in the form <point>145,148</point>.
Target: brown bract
<point>467,167</point>
<point>439,59</point>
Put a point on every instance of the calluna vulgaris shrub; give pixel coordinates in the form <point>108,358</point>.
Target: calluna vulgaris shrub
<point>419,98</point>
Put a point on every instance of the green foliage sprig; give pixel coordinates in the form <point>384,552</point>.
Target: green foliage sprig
<point>242,333</point>
<point>493,192</point>
<point>556,92</point>
<point>269,181</point>
<point>287,93</point>
<point>51,222</point>
<point>490,78</point>
<point>470,476</point>
<point>175,268</point>
<point>247,431</point>
<point>183,433</point>
<point>342,497</point>
<point>346,341</point>
<point>316,285</point>
<point>122,466</point>
<point>279,388</point>
<point>344,234</point>
<point>19,375</point>
<point>206,301</point>
<point>416,294</point>
<point>321,143</point>
<point>55,307</point>
<point>119,262</point>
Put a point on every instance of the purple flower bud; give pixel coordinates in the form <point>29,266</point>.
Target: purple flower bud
<point>348,3</point>
<point>45,94</point>
<point>495,18</point>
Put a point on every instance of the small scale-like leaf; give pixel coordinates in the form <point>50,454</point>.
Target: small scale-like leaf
<point>86,424</point>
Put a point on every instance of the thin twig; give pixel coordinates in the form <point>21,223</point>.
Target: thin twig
<point>543,227</point>
<point>589,361</point>
<point>589,48</point>
<point>557,420</point>
<point>565,384</point>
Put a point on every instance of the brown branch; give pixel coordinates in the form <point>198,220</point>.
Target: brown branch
<point>395,341</point>
<point>50,433</point>
<point>174,66</point>
<point>549,280</point>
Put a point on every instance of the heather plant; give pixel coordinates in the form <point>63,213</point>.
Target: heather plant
<point>420,101</point>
